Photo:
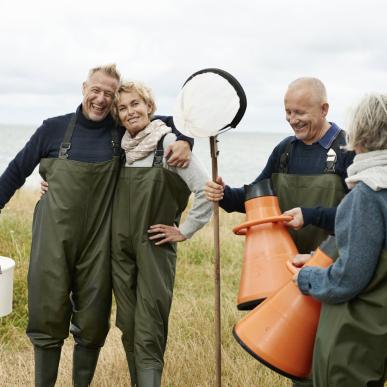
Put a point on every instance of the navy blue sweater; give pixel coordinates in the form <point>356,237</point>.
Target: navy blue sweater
<point>304,160</point>
<point>91,142</point>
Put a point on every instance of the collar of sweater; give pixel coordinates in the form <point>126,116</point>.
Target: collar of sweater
<point>107,122</point>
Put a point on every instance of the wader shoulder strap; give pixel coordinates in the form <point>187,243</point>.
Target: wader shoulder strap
<point>66,144</point>
<point>334,150</point>
<point>159,153</point>
<point>283,161</point>
<point>115,141</point>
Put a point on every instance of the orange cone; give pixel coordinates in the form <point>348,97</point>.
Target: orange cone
<point>280,332</point>
<point>268,246</point>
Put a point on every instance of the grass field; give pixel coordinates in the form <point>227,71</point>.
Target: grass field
<point>189,360</point>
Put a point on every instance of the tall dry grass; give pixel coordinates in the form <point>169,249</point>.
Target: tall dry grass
<point>189,360</point>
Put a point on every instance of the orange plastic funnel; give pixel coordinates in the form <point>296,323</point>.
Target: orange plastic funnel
<point>268,246</point>
<point>280,332</point>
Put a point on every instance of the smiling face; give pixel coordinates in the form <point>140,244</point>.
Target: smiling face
<point>133,112</point>
<point>306,113</point>
<point>98,95</point>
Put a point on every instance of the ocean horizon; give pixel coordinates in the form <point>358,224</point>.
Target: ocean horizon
<point>242,154</point>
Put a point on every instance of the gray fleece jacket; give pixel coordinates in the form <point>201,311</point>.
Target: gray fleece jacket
<point>361,235</point>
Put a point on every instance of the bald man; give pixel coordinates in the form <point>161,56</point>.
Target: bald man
<point>307,170</point>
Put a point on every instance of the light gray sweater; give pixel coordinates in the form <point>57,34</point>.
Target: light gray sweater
<point>361,235</point>
<point>195,176</point>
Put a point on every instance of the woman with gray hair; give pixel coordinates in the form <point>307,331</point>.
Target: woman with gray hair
<point>149,200</point>
<point>351,343</point>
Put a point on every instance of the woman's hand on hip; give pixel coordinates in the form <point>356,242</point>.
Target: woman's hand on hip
<point>161,233</point>
<point>43,188</point>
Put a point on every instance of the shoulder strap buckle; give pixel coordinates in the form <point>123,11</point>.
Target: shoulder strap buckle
<point>115,145</point>
<point>64,148</point>
<point>66,144</point>
<point>159,153</point>
<point>331,161</point>
<point>158,158</point>
<point>283,162</point>
<point>115,141</point>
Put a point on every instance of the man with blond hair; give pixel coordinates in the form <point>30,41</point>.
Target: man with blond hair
<point>69,279</point>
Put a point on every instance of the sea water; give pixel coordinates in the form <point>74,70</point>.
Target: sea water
<point>242,155</point>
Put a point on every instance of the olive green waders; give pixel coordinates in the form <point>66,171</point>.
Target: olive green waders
<point>325,190</point>
<point>351,343</point>
<point>143,273</point>
<point>69,279</point>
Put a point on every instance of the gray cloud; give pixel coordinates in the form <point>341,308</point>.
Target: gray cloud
<point>47,48</point>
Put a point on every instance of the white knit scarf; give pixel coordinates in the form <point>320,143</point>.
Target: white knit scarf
<point>370,168</point>
<point>144,142</point>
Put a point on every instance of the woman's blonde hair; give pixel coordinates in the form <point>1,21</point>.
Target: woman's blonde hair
<point>144,92</point>
<point>368,126</point>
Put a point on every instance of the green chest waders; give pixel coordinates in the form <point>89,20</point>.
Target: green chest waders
<point>307,191</point>
<point>351,342</point>
<point>324,190</point>
<point>69,277</point>
<point>319,190</point>
<point>143,273</point>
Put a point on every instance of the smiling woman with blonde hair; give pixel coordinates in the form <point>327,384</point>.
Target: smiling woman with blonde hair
<point>149,200</point>
<point>350,347</point>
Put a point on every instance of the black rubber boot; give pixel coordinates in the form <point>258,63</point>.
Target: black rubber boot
<point>149,377</point>
<point>46,366</point>
<point>132,368</point>
<point>84,364</point>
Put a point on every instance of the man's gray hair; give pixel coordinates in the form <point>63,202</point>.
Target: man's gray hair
<point>314,84</point>
<point>109,69</point>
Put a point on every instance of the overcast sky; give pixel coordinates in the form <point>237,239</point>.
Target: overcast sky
<point>47,48</point>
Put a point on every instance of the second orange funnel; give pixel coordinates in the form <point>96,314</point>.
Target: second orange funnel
<point>281,331</point>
